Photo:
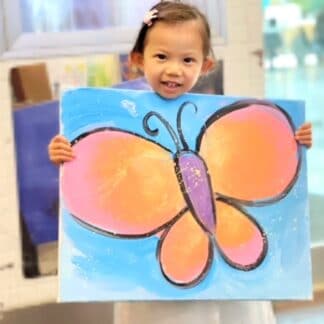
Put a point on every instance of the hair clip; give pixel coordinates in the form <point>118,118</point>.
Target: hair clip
<point>149,17</point>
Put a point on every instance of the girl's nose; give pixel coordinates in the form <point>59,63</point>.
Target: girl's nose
<point>173,69</point>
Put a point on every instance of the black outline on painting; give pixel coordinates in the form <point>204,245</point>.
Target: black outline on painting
<point>235,203</point>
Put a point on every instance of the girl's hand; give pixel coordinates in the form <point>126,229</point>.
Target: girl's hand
<point>59,150</point>
<point>304,135</point>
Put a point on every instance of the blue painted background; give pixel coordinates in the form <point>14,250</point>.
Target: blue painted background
<point>96,267</point>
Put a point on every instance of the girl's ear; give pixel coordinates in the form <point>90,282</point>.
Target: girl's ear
<point>136,59</point>
<point>208,65</point>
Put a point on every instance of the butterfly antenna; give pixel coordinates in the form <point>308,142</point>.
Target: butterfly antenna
<point>155,131</point>
<point>179,118</point>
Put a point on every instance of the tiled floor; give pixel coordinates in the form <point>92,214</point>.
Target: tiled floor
<point>311,315</point>
<point>301,312</point>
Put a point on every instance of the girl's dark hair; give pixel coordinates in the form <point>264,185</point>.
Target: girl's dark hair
<point>174,12</point>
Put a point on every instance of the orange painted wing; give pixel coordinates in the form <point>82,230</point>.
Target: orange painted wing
<point>121,183</point>
<point>250,152</point>
<point>185,252</point>
<point>239,238</point>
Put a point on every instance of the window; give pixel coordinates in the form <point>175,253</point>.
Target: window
<point>44,27</point>
<point>294,58</point>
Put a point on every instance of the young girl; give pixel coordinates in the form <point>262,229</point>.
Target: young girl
<point>173,49</point>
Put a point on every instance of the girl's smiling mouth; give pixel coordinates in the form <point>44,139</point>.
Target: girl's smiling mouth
<point>170,84</point>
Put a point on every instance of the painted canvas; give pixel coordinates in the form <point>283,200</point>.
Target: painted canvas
<point>200,197</point>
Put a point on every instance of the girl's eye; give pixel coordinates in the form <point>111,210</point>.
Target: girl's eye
<point>188,59</point>
<point>160,56</point>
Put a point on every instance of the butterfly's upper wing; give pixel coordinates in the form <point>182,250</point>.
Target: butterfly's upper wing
<point>121,183</point>
<point>250,152</point>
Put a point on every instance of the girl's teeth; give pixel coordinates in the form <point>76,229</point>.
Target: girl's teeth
<point>171,84</point>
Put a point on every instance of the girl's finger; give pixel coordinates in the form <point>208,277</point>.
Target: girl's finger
<point>63,153</point>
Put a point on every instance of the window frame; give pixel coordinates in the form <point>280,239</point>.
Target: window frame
<point>14,43</point>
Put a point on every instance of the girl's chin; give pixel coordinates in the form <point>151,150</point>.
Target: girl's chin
<point>169,97</point>
<point>170,94</point>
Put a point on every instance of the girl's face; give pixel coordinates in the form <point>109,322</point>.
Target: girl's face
<point>173,58</point>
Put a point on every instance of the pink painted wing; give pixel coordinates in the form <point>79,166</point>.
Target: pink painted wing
<point>239,238</point>
<point>251,153</point>
<point>185,252</point>
<point>185,249</point>
<point>121,184</point>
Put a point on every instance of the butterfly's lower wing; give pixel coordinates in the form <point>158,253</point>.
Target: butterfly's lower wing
<point>240,239</point>
<point>185,249</point>
<point>250,152</point>
<point>185,252</point>
<point>122,184</point>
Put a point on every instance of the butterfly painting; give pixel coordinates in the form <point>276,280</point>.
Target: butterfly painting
<point>196,190</point>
